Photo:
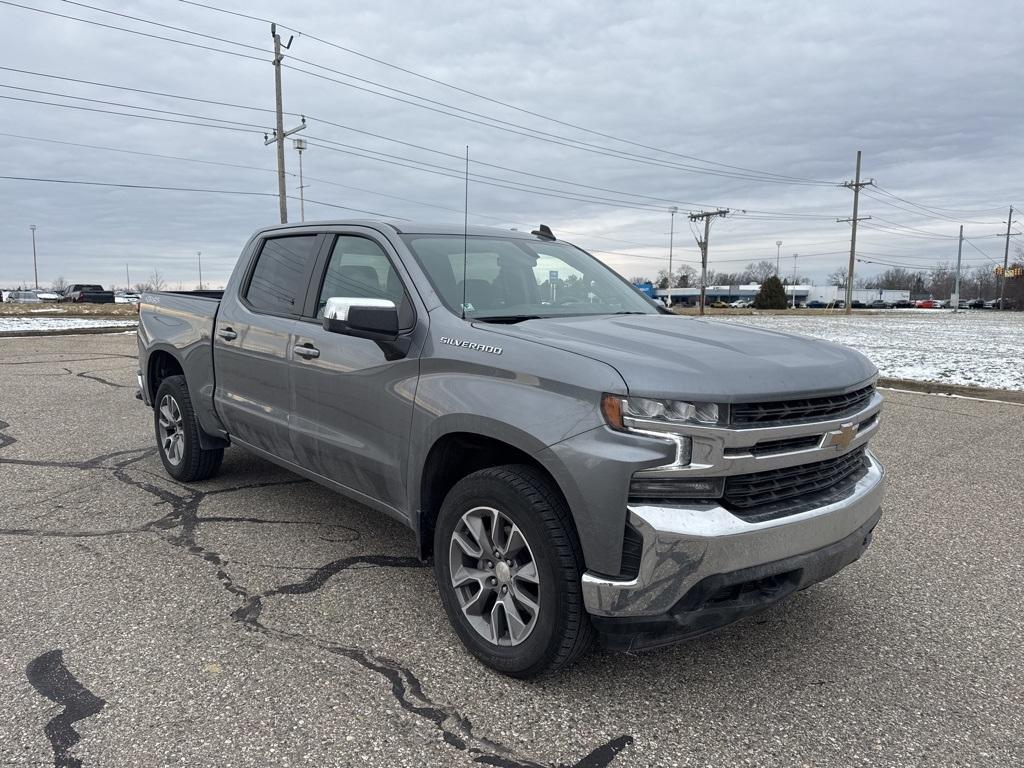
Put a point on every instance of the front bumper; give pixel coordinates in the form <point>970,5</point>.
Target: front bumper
<point>688,550</point>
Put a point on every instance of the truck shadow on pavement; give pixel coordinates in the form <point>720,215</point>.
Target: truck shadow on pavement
<point>178,527</point>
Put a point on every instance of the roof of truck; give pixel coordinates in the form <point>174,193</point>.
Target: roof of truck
<point>407,228</point>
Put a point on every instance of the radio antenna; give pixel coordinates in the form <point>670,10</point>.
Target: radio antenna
<point>465,235</point>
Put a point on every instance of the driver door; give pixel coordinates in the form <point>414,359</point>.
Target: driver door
<point>352,407</point>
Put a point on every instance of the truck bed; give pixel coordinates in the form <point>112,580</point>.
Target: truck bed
<point>182,323</point>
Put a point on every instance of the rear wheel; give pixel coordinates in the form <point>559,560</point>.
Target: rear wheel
<point>177,434</point>
<point>508,566</point>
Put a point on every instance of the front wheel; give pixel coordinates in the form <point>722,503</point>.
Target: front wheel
<point>508,564</point>
<point>177,434</point>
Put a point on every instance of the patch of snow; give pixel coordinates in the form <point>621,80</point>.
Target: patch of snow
<point>60,323</point>
<point>973,348</point>
<point>54,311</point>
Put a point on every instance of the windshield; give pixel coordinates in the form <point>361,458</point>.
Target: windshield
<point>513,278</point>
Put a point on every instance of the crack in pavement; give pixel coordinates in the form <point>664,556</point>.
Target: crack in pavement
<point>101,380</point>
<point>179,527</point>
<point>52,679</point>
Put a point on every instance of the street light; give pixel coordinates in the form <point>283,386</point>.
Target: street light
<point>199,255</point>
<point>35,270</point>
<point>778,252</point>
<point>300,145</point>
<point>794,282</point>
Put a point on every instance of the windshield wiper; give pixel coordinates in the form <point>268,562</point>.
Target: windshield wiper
<point>507,319</point>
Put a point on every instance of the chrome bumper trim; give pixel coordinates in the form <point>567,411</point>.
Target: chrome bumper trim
<point>683,545</point>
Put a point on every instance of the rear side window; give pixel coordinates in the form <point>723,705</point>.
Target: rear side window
<point>278,282</point>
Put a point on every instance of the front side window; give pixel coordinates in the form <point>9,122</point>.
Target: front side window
<point>503,279</point>
<point>359,268</point>
<point>278,282</point>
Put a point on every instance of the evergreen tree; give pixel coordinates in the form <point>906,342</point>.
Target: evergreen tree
<point>772,295</point>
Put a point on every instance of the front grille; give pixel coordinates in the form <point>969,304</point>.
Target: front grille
<point>803,409</point>
<point>760,495</point>
<point>768,447</point>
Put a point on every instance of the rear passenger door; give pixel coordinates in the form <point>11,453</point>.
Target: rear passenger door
<point>352,408</point>
<point>253,339</point>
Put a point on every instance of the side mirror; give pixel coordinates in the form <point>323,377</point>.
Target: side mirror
<point>374,319</point>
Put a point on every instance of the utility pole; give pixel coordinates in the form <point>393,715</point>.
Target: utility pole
<point>707,216</point>
<point>127,280</point>
<point>279,132</point>
<point>778,255</point>
<point>199,255</point>
<point>671,241</point>
<point>793,303</point>
<point>35,270</point>
<point>300,145</point>
<point>855,185</point>
<point>955,298</point>
<point>1006,258</point>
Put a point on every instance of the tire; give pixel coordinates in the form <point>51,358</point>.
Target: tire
<point>542,641</point>
<point>177,434</point>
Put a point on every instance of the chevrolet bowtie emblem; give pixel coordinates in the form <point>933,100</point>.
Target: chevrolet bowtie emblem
<point>842,437</point>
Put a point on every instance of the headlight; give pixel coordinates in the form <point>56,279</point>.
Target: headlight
<point>619,411</point>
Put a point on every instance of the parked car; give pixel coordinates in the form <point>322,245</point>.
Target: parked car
<point>929,304</point>
<point>903,304</point>
<point>87,293</point>
<point>741,304</point>
<point>976,304</point>
<point>48,296</point>
<point>126,298</point>
<point>23,297</point>
<point>541,454</point>
<point>879,304</point>
<point>719,304</point>
<point>815,304</point>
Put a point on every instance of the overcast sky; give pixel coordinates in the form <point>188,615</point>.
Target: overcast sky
<point>783,90</point>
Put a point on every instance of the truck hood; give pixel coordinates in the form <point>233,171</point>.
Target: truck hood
<point>684,357</point>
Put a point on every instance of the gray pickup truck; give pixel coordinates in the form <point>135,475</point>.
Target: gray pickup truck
<point>575,461</point>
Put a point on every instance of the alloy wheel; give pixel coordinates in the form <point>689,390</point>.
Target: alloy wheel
<point>495,577</point>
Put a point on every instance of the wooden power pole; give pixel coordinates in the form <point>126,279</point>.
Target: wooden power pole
<point>1006,259</point>
<point>855,185</point>
<point>279,132</point>
<point>706,216</point>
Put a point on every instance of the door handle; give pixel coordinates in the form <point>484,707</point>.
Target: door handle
<point>307,352</point>
<point>228,334</point>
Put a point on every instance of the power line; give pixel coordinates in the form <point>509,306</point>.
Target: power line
<point>163,188</point>
<point>127,106</point>
<point>131,31</point>
<point>502,103</point>
<point>934,208</point>
<point>752,214</point>
<point>255,129</point>
<point>485,120</point>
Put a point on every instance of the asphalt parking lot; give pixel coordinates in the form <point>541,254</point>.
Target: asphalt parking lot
<point>258,619</point>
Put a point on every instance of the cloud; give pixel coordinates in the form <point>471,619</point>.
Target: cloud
<point>789,88</point>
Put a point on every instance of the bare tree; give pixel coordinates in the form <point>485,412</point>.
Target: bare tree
<point>156,281</point>
<point>760,271</point>
<point>59,285</point>
<point>839,277</point>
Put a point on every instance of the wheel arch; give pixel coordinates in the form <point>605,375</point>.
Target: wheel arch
<point>455,454</point>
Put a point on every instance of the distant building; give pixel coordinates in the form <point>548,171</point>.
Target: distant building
<point>804,294</point>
